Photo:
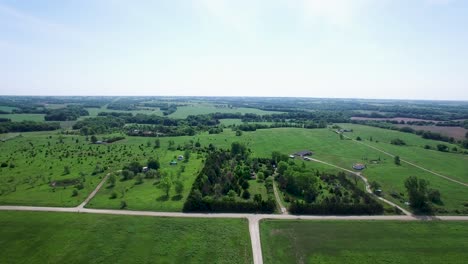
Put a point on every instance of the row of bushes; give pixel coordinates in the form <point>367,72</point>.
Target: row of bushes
<point>195,203</point>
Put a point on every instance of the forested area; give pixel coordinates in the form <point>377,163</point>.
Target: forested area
<point>69,113</point>
<point>223,184</point>
<point>27,126</point>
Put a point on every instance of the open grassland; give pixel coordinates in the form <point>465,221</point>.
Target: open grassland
<point>202,109</point>
<point>230,121</point>
<point>24,117</point>
<point>45,237</point>
<point>7,108</point>
<point>93,112</point>
<point>363,242</point>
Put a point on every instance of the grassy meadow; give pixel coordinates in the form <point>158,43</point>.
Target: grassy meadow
<point>46,237</point>
<point>147,195</point>
<point>363,242</point>
<point>24,117</point>
<point>202,109</point>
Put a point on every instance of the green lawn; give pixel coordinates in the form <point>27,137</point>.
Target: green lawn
<point>45,237</point>
<point>24,117</point>
<point>230,121</point>
<point>363,242</point>
<point>93,112</point>
<point>202,109</point>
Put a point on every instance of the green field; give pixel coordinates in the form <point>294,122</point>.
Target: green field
<point>230,121</point>
<point>24,117</point>
<point>93,112</point>
<point>36,165</point>
<point>7,108</point>
<point>45,237</point>
<point>363,242</point>
<point>203,109</point>
<point>326,145</point>
<point>147,196</point>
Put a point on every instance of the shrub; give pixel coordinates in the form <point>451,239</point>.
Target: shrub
<point>113,196</point>
<point>397,142</point>
<point>123,205</point>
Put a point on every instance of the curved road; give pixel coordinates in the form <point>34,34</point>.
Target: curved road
<point>368,188</point>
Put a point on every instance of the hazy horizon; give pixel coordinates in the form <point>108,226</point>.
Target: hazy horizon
<point>343,49</point>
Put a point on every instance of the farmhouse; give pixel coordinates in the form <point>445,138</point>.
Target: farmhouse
<point>303,153</point>
<point>173,163</point>
<point>144,169</point>
<point>180,157</point>
<point>359,166</point>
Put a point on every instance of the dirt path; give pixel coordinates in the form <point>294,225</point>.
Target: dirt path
<point>368,188</point>
<point>410,163</point>
<point>278,200</point>
<point>93,193</point>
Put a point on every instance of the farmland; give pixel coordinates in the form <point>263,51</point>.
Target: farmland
<point>39,237</point>
<point>60,168</point>
<point>455,132</point>
<point>202,109</point>
<point>363,242</point>
<point>31,176</point>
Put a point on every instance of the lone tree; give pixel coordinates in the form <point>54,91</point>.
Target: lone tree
<point>179,187</point>
<point>111,180</point>
<point>417,192</point>
<point>397,160</point>
<point>93,139</point>
<point>153,164</point>
<point>166,185</point>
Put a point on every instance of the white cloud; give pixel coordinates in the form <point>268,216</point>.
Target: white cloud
<point>336,12</point>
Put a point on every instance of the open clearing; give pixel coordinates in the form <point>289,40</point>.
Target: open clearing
<point>202,109</point>
<point>292,241</point>
<point>47,237</point>
<point>24,117</point>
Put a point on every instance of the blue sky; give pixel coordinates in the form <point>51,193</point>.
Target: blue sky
<point>398,49</point>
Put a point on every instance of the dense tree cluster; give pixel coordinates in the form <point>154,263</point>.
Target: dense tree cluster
<point>99,125</point>
<point>222,185</point>
<point>69,113</point>
<point>27,126</point>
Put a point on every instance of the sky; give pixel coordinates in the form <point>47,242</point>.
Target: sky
<point>384,49</point>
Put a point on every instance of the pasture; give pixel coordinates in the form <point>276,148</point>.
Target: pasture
<point>46,237</point>
<point>203,109</point>
<point>24,117</point>
<point>290,241</point>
